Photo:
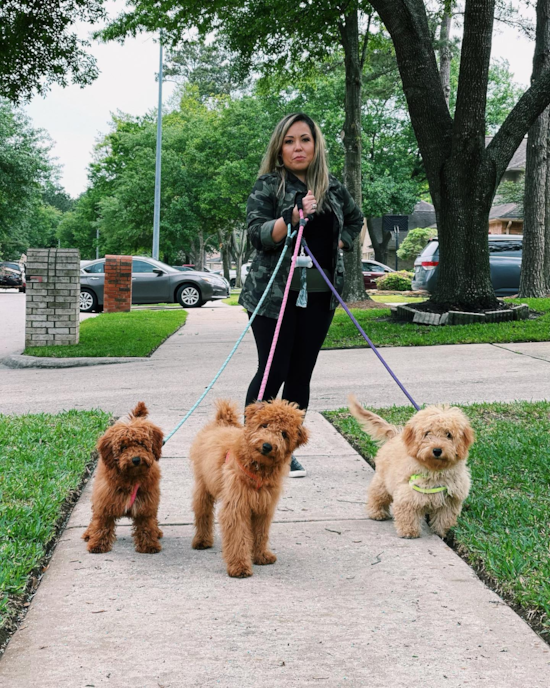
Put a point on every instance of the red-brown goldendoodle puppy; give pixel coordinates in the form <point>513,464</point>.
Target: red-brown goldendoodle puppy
<point>127,484</point>
<point>243,467</point>
<point>420,469</point>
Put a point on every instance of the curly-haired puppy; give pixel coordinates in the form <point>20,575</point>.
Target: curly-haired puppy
<point>127,484</point>
<point>421,469</point>
<point>243,467</point>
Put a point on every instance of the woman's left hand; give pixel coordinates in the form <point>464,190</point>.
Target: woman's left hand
<point>340,244</point>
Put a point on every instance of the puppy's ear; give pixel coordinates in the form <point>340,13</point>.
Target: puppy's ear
<point>157,438</point>
<point>409,438</point>
<point>303,436</point>
<point>253,408</point>
<point>105,449</point>
<point>468,437</point>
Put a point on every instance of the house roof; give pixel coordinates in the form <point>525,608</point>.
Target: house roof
<point>506,211</point>
<point>517,162</point>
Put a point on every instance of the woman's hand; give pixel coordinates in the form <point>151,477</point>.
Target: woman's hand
<point>310,206</point>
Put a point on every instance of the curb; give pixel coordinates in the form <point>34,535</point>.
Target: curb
<point>20,361</point>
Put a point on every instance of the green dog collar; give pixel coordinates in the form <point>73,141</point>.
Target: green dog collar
<point>425,490</point>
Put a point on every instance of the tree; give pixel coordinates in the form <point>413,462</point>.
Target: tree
<point>37,47</point>
<point>462,173</point>
<point>533,281</point>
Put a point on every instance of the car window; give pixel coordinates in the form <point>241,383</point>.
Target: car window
<point>506,248</point>
<point>95,268</point>
<point>431,249</point>
<point>142,266</point>
<point>371,267</point>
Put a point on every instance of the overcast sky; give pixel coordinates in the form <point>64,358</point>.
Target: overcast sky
<point>74,118</point>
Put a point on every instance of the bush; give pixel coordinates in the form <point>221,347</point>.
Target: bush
<point>395,281</point>
<point>416,241</point>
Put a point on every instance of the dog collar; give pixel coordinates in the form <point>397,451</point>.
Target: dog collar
<point>132,497</point>
<point>252,476</point>
<point>425,490</point>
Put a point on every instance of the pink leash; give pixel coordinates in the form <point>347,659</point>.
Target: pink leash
<point>283,305</point>
<point>132,498</point>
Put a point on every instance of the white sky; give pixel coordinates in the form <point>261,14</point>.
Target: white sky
<point>74,118</point>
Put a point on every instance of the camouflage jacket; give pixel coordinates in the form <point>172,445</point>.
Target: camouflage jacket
<point>264,207</point>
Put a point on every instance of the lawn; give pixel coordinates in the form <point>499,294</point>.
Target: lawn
<point>504,529</point>
<point>43,460</point>
<point>233,300</point>
<point>380,297</point>
<point>384,332</point>
<point>137,333</point>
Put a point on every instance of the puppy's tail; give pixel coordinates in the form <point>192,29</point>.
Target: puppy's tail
<point>376,427</point>
<point>140,411</point>
<point>227,413</point>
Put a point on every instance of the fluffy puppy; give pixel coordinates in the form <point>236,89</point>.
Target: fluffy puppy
<point>243,467</point>
<point>127,484</point>
<point>421,469</point>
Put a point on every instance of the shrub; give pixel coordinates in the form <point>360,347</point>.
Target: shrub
<point>416,241</point>
<point>395,281</point>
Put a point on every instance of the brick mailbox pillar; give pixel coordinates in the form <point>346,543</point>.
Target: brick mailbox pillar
<point>53,296</point>
<point>117,296</point>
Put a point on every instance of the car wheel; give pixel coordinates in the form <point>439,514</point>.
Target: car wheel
<point>22,290</point>
<point>88,301</point>
<point>232,283</point>
<point>189,296</point>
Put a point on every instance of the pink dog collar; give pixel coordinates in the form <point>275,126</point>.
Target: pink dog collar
<point>132,498</point>
<point>252,476</point>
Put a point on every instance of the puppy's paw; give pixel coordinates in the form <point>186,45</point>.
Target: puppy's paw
<point>98,547</point>
<point>378,514</point>
<point>239,571</point>
<point>408,533</point>
<point>265,558</point>
<point>85,536</point>
<point>159,533</point>
<point>201,543</point>
<point>148,547</point>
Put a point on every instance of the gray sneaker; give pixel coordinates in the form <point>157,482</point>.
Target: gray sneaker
<point>296,469</point>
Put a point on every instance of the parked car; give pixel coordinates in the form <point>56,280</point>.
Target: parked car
<point>372,270</point>
<point>12,275</point>
<point>232,273</point>
<point>153,282</point>
<point>505,251</point>
<point>207,273</point>
<point>244,271</point>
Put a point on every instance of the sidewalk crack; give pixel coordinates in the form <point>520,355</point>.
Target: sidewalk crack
<point>520,353</point>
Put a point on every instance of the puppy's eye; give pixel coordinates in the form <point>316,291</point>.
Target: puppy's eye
<point>264,425</point>
<point>123,447</point>
<point>285,436</point>
<point>426,433</point>
<point>449,436</point>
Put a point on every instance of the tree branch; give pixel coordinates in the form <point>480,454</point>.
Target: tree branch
<point>474,69</point>
<point>365,44</point>
<point>508,138</point>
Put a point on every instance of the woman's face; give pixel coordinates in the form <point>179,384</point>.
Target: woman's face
<point>298,149</point>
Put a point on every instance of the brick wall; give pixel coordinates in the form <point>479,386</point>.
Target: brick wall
<point>118,284</point>
<point>53,296</point>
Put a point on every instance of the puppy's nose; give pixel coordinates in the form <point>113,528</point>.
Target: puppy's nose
<point>437,452</point>
<point>266,448</point>
<point>136,460</point>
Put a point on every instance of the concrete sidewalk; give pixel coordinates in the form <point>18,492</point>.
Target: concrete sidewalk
<point>348,603</point>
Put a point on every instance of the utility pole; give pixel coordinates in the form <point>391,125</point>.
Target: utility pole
<point>156,217</point>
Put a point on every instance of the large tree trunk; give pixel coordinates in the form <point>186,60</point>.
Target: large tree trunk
<point>547,224</point>
<point>349,30</point>
<point>462,173</point>
<point>533,279</point>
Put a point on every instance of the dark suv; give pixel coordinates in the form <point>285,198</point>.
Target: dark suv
<point>504,257</point>
<point>12,275</point>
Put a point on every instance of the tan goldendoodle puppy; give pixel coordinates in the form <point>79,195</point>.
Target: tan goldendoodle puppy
<point>127,483</point>
<point>243,467</point>
<point>421,469</point>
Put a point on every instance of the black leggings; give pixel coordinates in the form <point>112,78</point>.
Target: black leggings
<point>302,334</point>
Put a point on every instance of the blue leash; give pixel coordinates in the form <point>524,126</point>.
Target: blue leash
<point>288,242</point>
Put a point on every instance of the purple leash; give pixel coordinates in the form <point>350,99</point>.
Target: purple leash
<point>358,326</point>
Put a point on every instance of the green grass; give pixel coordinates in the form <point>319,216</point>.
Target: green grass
<point>233,300</point>
<point>395,298</point>
<point>383,332</point>
<point>43,459</point>
<point>137,333</point>
<point>504,529</point>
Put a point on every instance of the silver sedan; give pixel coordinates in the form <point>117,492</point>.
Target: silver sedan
<point>152,282</point>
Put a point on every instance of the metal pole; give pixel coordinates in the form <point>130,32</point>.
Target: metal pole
<point>97,243</point>
<point>156,217</point>
<point>396,230</point>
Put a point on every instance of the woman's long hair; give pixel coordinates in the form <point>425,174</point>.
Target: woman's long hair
<point>317,173</point>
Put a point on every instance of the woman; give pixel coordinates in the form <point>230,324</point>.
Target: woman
<point>295,164</point>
